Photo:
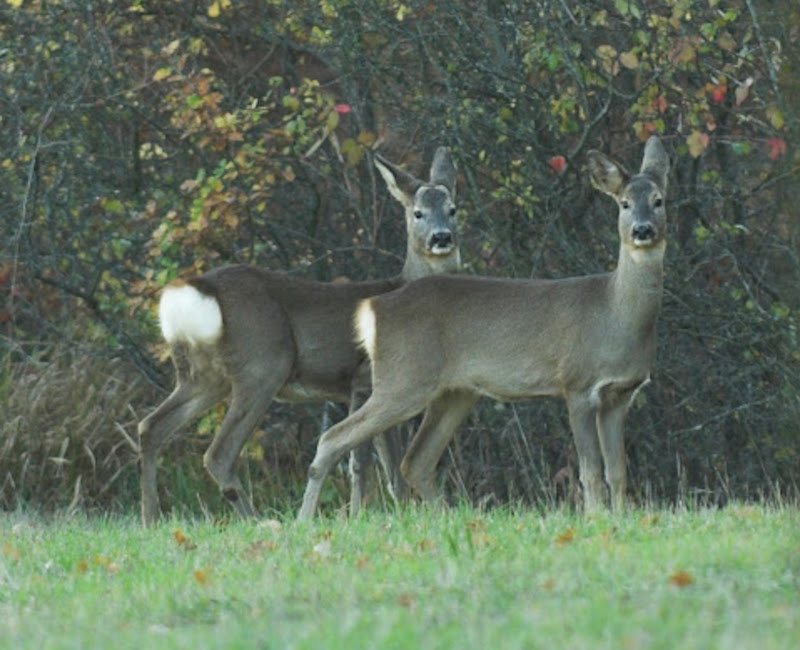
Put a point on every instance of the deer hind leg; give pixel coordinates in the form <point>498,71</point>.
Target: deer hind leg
<point>439,424</point>
<point>249,402</point>
<point>375,416</point>
<point>610,421</point>
<point>583,421</point>
<point>190,399</point>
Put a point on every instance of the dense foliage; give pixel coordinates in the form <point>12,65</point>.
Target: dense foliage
<point>141,139</point>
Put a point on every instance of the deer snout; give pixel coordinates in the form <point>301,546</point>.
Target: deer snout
<point>643,233</point>
<point>441,241</point>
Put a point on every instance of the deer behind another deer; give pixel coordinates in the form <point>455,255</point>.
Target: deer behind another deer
<point>257,336</point>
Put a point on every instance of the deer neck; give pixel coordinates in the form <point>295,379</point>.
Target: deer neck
<point>417,267</point>
<point>636,286</point>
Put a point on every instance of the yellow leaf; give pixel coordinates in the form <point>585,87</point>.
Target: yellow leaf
<point>14,3</point>
<point>775,117</point>
<point>697,143</point>
<point>213,10</point>
<point>629,60</point>
<point>173,45</point>
<point>162,73</point>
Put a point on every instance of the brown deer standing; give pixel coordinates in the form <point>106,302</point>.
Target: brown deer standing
<point>441,342</point>
<point>257,336</point>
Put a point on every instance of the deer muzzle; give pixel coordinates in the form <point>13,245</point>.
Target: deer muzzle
<point>441,242</point>
<point>643,234</point>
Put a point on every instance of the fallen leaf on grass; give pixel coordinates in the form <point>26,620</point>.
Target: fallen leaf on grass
<point>405,600</point>
<point>184,542</point>
<point>107,563</point>
<point>566,537</point>
<point>201,576</point>
<point>11,552</point>
<point>681,579</point>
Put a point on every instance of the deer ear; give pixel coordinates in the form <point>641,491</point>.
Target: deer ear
<point>607,176</point>
<point>401,184</point>
<point>656,162</point>
<point>443,170</point>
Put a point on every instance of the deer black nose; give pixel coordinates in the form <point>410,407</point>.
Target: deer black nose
<point>442,239</point>
<point>643,232</point>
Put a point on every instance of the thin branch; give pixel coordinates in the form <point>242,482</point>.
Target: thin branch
<point>771,71</point>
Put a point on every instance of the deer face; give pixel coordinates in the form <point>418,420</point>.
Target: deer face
<point>432,226</point>
<point>642,217</point>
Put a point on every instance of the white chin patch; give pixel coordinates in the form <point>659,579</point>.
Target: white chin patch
<point>441,250</point>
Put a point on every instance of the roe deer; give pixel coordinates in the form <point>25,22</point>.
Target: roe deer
<point>257,336</point>
<point>441,342</point>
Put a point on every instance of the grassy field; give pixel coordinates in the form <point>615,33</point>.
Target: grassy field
<point>414,579</point>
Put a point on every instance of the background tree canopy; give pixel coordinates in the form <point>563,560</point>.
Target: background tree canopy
<point>143,139</point>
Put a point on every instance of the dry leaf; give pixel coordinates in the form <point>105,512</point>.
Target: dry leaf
<point>405,600</point>
<point>184,542</point>
<point>11,552</point>
<point>566,537</point>
<point>681,579</point>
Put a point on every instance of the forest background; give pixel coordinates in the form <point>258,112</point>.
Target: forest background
<point>142,140</point>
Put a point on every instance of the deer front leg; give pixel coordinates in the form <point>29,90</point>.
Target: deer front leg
<point>439,424</point>
<point>583,422</point>
<point>377,415</point>
<point>361,456</point>
<point>360,462</point>
<point>610,421</point>
<point>390,445</point>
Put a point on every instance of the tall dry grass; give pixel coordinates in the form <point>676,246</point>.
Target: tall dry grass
<point>67,431</point>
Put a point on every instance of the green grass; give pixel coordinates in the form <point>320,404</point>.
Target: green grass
<point>414,579</point>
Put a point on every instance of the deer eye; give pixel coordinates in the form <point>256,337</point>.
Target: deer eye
<point>418,214</point>
<point>452,212</point>
<point>658,202</point>
<point>625,204</point>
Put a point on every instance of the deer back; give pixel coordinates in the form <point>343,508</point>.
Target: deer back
<point>511,339</point>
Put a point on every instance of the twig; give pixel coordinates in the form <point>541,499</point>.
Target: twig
<point>773,74</point>
<point>23,220</point>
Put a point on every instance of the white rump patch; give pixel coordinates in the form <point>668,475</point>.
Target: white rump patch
<point>365,327</point>
<point>186,314</point>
